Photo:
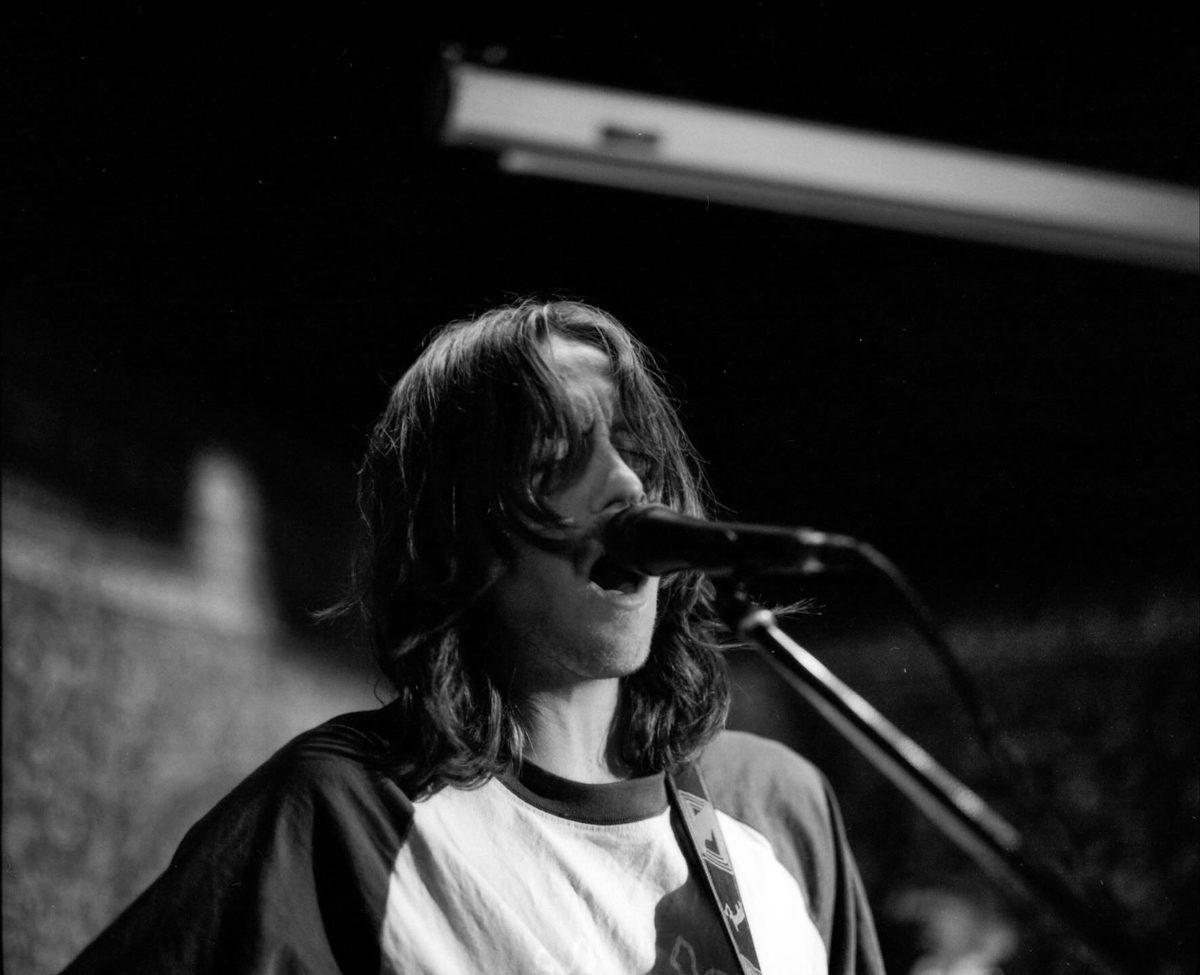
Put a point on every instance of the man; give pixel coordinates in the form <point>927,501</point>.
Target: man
<point>529,801</point>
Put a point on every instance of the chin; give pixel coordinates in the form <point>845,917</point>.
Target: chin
<point>607,646</point>
<point>623,659</point>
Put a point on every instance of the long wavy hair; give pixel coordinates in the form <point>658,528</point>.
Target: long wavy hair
<point>451,471</point>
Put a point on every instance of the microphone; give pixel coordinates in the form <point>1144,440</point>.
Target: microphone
<point>654,540</point>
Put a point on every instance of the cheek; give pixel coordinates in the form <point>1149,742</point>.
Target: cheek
<point>512,592</point>
<point>526,586</point>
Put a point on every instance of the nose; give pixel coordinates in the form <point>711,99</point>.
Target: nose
<point>617,484</point>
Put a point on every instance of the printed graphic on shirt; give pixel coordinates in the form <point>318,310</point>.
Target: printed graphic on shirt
<point>683,960</point>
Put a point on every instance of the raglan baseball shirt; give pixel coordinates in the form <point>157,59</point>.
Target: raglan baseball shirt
<point>319,863</point>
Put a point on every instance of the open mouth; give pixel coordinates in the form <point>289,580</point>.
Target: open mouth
<point>609,576</point>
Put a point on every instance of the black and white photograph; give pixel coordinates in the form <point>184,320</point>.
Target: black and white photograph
<point>707,491</point>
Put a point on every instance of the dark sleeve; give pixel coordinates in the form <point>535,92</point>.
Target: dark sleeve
<point>770,788</point>
<point>852,942</point>
<point>289,873</point>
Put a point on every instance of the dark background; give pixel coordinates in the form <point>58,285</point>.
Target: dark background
<point>240,228</point>
<point>236,230</point>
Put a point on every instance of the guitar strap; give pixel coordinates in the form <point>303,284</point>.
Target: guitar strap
<point>709,852</point>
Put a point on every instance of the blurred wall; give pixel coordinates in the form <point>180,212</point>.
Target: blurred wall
<point>142,680</point>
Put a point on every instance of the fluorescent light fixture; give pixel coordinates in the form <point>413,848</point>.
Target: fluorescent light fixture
<point>603,136</point>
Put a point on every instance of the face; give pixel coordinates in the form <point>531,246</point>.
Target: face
<point>562,625</point>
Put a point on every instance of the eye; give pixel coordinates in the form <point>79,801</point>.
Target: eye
<point>551,451</point>
<point>551,463</point>
<point>549,455</point>
<point>635,456</point>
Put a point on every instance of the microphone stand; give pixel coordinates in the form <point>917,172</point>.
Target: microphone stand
<point>961,814</point>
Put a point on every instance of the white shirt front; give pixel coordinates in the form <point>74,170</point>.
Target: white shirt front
<point>487,881</point>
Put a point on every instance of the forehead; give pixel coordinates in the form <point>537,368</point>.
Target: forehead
<point>584,372</point>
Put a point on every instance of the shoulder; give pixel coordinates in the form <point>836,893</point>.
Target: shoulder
<point>750,769</point>
<point>333,772</point>
<point>771,789</point>
<point>359,743</point>
<point>754,753</point>
<point>781,796</point>
<point>251,882</point>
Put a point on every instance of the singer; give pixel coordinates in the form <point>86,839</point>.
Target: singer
<point>551,788</point>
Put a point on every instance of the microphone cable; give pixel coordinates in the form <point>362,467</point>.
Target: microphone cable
<point>1013,771</point>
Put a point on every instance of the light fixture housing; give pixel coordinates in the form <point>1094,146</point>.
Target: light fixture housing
<point>566,130</point>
